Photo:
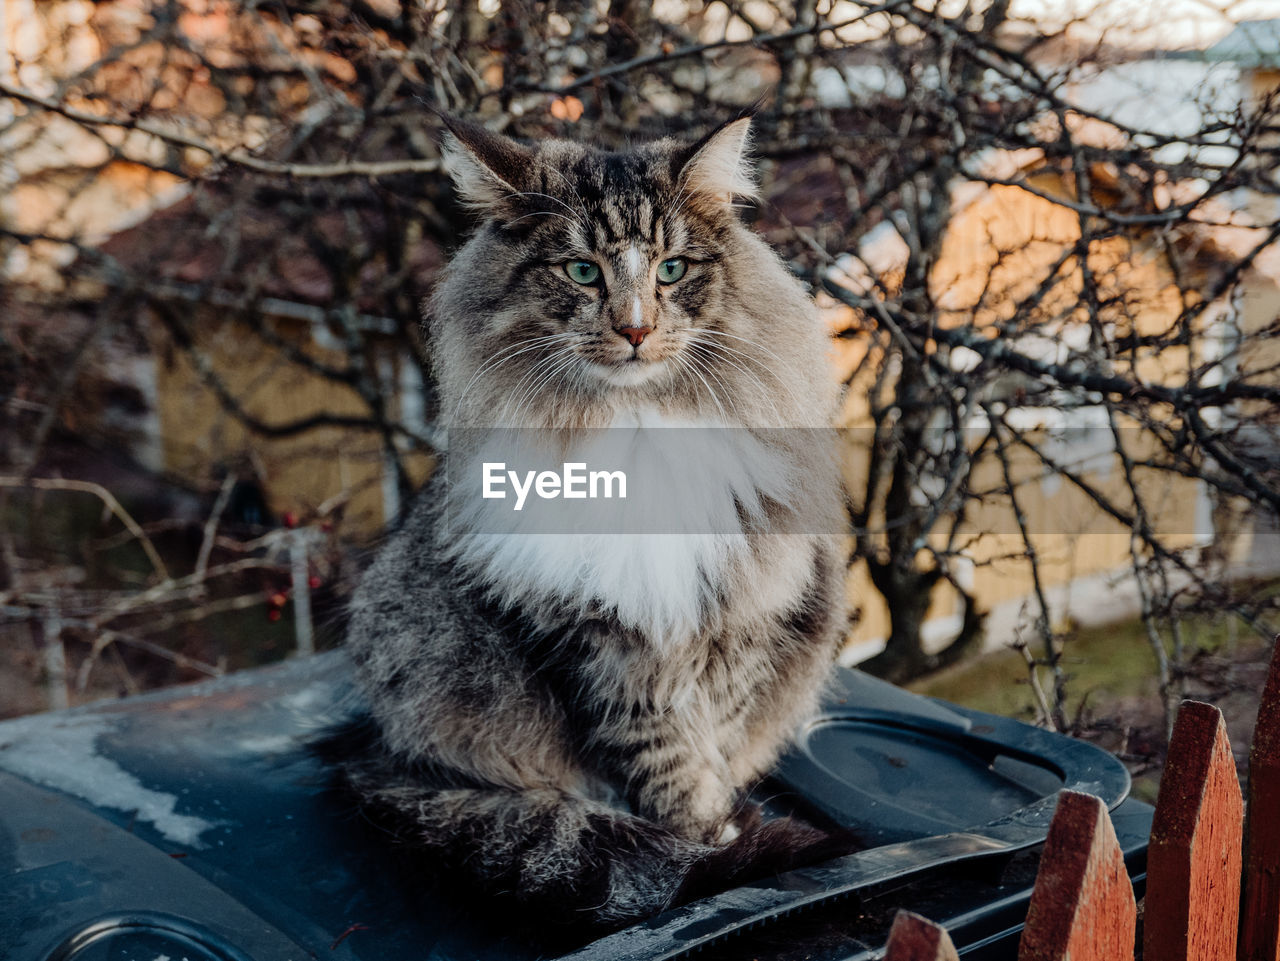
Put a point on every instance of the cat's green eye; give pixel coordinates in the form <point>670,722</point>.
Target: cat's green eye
<point>582,271</point>
<point>669,271</point>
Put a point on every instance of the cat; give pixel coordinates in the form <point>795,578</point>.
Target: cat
<point>572,721</point>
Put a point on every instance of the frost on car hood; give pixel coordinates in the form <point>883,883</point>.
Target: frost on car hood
<point>64,756</point>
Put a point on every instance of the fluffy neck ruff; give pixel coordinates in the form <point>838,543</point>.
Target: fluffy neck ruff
<point>661,564</point>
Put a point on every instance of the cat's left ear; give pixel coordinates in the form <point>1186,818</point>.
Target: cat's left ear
<point>717,167</point>
<point>486,167</point>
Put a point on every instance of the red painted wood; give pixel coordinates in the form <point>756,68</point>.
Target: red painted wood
<point>1260,928</point>
<point>1193,864</point>
<point>1082,907</point>
<point>912,938</point>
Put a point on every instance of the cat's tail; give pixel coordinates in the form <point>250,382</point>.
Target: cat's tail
<point>563,859</point>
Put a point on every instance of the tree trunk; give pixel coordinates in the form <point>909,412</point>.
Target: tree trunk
<point>908,594</point>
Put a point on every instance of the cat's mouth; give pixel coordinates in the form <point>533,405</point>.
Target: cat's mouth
<point>626,371</point>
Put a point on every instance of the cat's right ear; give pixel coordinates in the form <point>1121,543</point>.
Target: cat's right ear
<point>486,167</point>
<point>717,167</point>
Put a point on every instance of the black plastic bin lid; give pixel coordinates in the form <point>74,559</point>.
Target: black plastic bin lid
<point>929,785</point>
<point>190,824</point>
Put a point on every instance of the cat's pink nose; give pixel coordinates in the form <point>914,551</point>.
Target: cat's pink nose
<point>635,335</point>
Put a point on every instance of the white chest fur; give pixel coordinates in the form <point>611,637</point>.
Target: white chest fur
<point>659,560</point>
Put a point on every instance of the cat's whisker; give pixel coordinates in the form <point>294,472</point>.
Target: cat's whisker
<point>707,331</point>
<point>755,385</point>
<point>582,204</point>
<point>726,354</point>
<point>710,368</point>
<point>516,398</point>
<point>576,368</point>
<point>553,199</point>
<point>507,353</point>
<point>781,381</point>
<point>561,382</point>
<point>681,201</point>
<point>724,414</point>
<point>543,213</point>
<point>536,388</point>
<point>719,351</point>
<point>494,361</point>
<point>539,375</point>
<point>688,360</point>
<point>708,351</point>
<point>577,216</point>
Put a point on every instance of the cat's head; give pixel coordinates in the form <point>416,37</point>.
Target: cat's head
<point>601,280</point>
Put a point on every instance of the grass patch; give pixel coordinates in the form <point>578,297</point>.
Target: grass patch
<point>1102,664</point>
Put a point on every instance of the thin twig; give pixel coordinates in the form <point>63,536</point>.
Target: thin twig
<point>211,526</point>
<point>242,158</point>
<point>107,498</point>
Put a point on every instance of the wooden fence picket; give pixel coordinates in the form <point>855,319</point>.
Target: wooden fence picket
<point>1193,863</point>
<point>1260,931</point>
<point>913,938</point>
<point>1082,907</point>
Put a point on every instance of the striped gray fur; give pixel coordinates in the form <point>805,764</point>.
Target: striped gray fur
<point>529,728</point>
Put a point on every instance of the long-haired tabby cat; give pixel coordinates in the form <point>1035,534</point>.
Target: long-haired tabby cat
<point>574,721</point>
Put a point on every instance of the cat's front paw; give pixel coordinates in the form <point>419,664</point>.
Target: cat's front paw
<point>747,818</point>
<point>728,833</point>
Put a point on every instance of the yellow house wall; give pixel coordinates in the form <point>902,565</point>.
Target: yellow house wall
<point>299,473</point>
<point>1262,82</point>
<point>1260,313</point>
<point>999,250</point>
<point>1071,536</point>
